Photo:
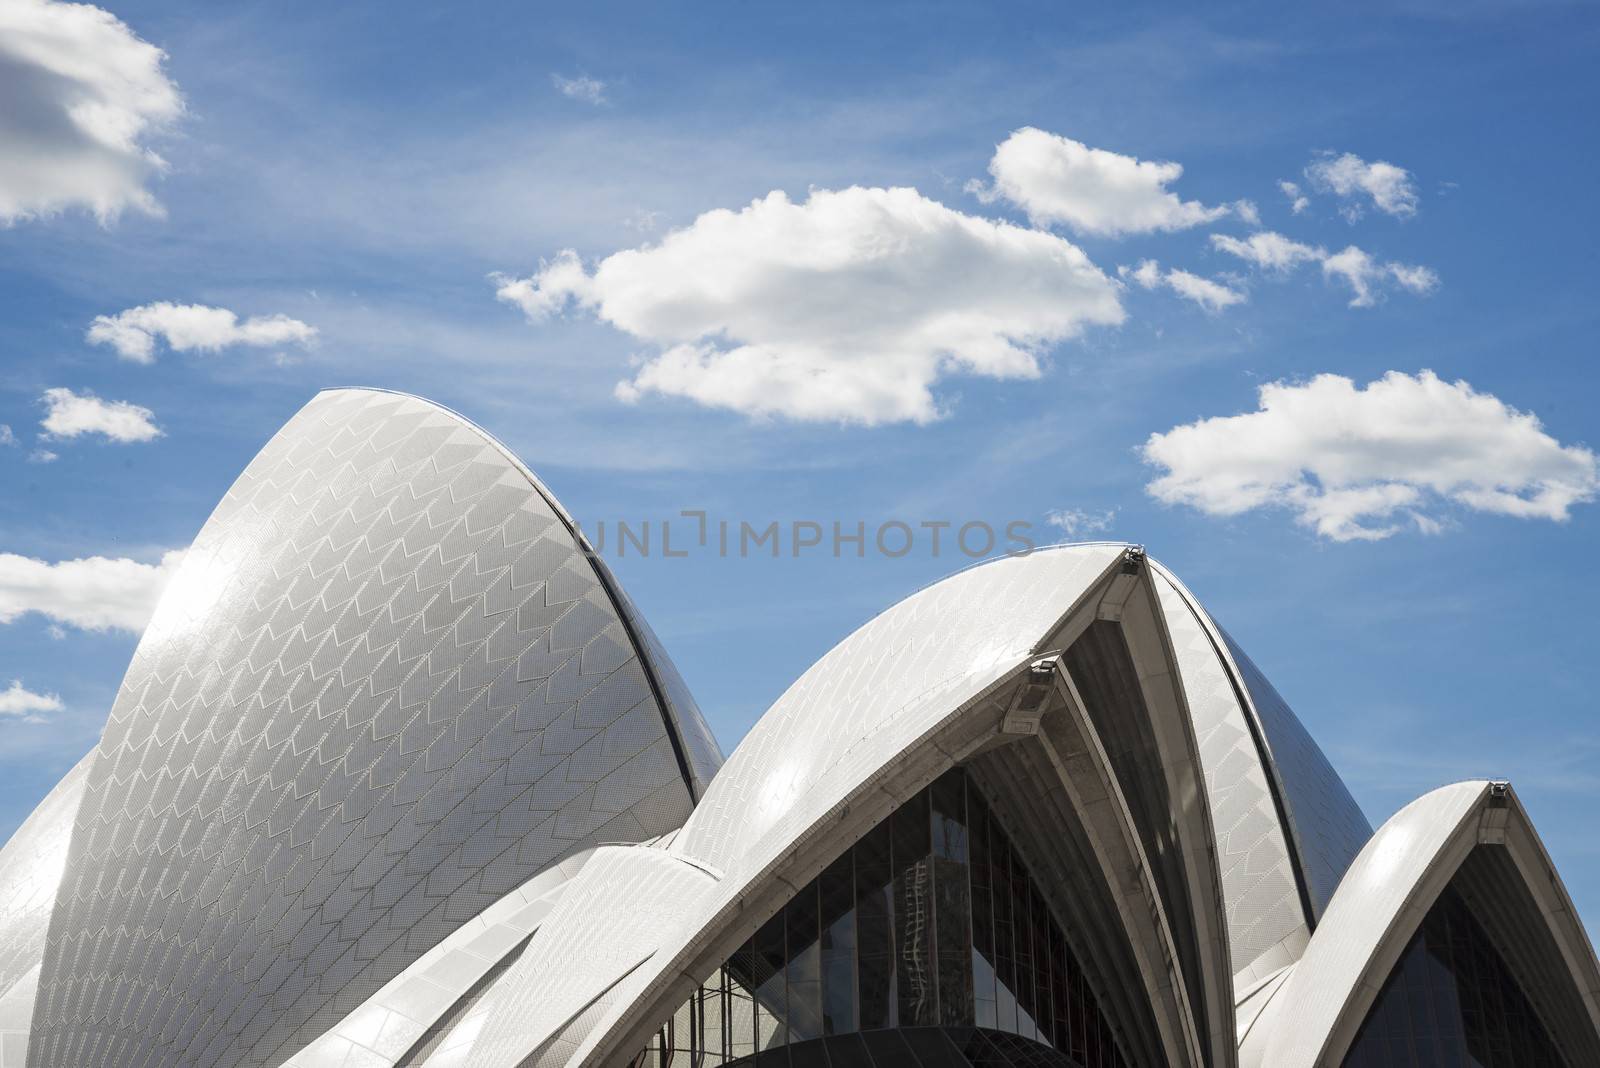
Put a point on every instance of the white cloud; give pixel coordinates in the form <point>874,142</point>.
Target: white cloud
<point>43,456</point>
<point>70,415</point>
<point>1364,275</point>
<point>192,327</point>
<point>584,88</point>
<point>1356,268</point>
<point>1268,250</point>
<point>1247,212</point>
<point>1350,177</point>
<point>1055,179</point>
<point>1147,273</point>
<point>847,307</point>
<point>7,436</point>
<point>1415,278</point>
<point>1357,463</point>
<point>1212,296</point>
<point>1298,202</point>
<point>26,705</point>
<point>1077,522</point>
<point>94,593</point>
<point>82,94</point>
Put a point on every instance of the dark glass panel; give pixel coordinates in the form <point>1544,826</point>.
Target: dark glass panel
<point>1043,998</point>
<point>953,899</point>
<point>1022,930</point>
<point>875,974</point>
<point>934,1049</point>
<point>1060,992</point>
<point>1005,952</point>
<point>848,1051</point>
<point>740,973</point>
<point>936,894</point>
<point>888,1048</point>
<point>837,899</point>
<point>804,966</point>
<point>1452,999</point>
<point>982,911</point>
<point>914,919</point>
<point>771,1012</point>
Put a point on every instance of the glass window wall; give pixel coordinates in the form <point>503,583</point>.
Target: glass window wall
<point>930,925</point>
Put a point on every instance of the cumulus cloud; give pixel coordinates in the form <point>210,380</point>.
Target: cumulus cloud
<point>1077,522</point>
<point>71,415</point>
<point>93,593</point>
<point>847,307</point>
<point>82,94</point>
<point>1057,180</point>
<point>584,88</point>
<point>1210,295</point>
<point>1351,178</point>
<point>192,328</point>
<point>1298,201</point>
<point>1360,463</point>
<point>22,703</point>
<point>1355,267</point>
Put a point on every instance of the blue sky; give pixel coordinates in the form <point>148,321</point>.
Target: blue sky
<point>370,171</point>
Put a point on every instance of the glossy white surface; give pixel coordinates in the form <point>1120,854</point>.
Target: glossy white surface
<point>861,709</point>
<point>1378,902</point>
<point>1267,925</point>
<point>30,872</point>
<point>925,652</point>
<point>395,1019</point>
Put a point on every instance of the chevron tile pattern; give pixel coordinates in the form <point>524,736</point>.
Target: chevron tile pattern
<point>387,1029</point>
<point>942,636</point>
<point>1328,823</point>
<point>384,689</point>
<point>30,871</point>
<point>1258,881</point>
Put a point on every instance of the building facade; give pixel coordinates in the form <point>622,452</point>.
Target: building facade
<point>400,777</point>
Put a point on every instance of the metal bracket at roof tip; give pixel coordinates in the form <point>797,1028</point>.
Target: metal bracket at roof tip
<point>1133,558</point>
<point>1030,699</point>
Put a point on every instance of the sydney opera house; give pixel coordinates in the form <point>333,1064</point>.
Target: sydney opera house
<point>398,776</point>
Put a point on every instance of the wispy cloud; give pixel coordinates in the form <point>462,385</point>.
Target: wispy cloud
<point>1355,267</point>
<point>1364,275</point>
<point>27,706</point>
<point>1269,251</point>
<point>1358,463</point>
<point>1078,522</point>
<point>1389,188</point>
<point>1210,295</point>
<point>1298,201</point>
<point>71,415</point>
<point>584,88</point>
<point>192,328</point>
<point>83,93</point>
